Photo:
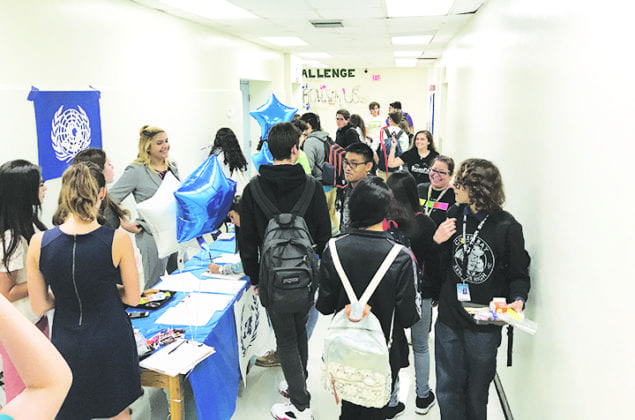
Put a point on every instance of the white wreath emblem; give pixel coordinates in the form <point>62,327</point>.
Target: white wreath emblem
<point>70,132</point>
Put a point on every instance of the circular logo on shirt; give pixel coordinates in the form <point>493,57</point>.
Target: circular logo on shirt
<point>480,261</point>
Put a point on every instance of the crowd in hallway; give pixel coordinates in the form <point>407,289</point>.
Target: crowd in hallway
<point>375,196</point>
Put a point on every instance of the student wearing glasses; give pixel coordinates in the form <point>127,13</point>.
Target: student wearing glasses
<point>358,161</point>
<point>437,196</point>
<point>346,133</point>
<point>418,158</point>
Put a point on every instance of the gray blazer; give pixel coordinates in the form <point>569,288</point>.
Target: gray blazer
<point>140,181</point>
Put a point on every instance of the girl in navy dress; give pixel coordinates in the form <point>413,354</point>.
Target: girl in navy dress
<point>82,263</point>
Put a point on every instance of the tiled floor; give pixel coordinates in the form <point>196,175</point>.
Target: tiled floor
<point>255,400</point>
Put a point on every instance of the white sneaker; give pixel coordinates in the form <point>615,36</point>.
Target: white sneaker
<point>283,388</point>
<point>289,412</point>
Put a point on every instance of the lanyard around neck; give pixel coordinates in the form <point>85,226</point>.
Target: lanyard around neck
<point>428,209</point>
<point>467,248</point>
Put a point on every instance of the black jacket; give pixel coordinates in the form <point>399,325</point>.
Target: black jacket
<point>361,253</point>
<point>498,266</point>
<point>346,135</point>
<point>283,185</point>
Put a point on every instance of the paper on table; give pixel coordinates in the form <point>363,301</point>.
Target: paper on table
<point>225,236</point>
<point>195,309</point>
<point>178,357</point>
<point>181,282</point>
<point>227,259</point>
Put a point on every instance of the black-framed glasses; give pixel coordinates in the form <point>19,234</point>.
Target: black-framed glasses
<point>353,165</point>
<point>439,172</point>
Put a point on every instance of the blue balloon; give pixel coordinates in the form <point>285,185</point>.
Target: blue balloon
<point>271,113</point>
<point>203,200</point>
<point>263,157</point>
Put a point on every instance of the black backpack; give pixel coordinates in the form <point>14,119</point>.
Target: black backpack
<point>288,262</point>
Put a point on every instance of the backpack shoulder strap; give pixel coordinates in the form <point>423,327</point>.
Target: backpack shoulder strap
<point>387,131</point>
<point>262,201</point>
<point>399,133</point>
<point>379,275</point>
<point>303,202</point>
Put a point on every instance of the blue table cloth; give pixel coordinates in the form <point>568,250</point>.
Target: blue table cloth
<point>216,379</point>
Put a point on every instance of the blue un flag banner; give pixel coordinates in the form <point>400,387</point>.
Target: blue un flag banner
<point>67,122</point>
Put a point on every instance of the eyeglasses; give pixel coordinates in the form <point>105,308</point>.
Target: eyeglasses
<point>439,172</point>
<point>353,165</point>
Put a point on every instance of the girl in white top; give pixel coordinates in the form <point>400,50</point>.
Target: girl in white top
<point>231,157</point>
<point>21,194</point>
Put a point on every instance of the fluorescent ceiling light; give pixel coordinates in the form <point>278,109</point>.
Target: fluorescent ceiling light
<point>211,9</point>
<point>406,62</point>
<point>284,41</point>
<point>411,40</point>
<point>315,55</point>
<point>407,53</point>
<point>415,8</point>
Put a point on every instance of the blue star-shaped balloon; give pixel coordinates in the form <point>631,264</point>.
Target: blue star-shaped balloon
<point>271,113</point>
<point>263,157</point>
<point>203,200</point>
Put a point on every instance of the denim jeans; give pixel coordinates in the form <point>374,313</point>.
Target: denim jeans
<point>419,333</point>
<point>293,351</point>
<point>312,321</point>
<point>465,367</point>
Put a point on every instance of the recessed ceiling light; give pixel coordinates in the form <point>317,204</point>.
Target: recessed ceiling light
<point>284,41</point>
<point>406,62</point>
<point>407,53</point>
<point>414,8</point>
<point>315,55</point>
<point>411,40</point>
<point>211,9</point>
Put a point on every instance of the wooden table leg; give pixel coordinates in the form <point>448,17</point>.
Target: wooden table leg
<point>176,398</point>
<point>172,384</point>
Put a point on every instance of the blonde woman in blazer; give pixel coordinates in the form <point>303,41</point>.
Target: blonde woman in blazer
<point>142,179</point>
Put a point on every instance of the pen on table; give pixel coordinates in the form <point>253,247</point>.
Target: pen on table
<point>176,347</point>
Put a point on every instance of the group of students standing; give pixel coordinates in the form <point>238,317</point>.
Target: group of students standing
<point>85,267</point>
<point>461,247</point>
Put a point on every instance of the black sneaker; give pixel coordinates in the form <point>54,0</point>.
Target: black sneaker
<point>425,404</point>
<point>393,412</point>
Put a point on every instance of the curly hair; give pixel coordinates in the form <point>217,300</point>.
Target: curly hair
<point>485,184</point>
<point>227,142</point>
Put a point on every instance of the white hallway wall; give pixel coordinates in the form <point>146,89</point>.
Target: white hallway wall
<point>545,90</point>
<point>151,68</point>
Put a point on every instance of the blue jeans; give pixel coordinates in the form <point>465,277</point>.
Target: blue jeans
<point>293,351</point>
<point>419,333</point>
<point>465,367</point>
<point>312,321</point>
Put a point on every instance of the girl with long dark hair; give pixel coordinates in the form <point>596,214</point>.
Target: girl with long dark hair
<point>231,157</point>
<point>21,194</point>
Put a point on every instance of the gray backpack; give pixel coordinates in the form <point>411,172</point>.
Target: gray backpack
<point>288,262</point>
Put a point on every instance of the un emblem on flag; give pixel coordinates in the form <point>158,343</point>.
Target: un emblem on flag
<point>70,132</point>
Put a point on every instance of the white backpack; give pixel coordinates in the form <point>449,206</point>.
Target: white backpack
<point>355,360</point>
